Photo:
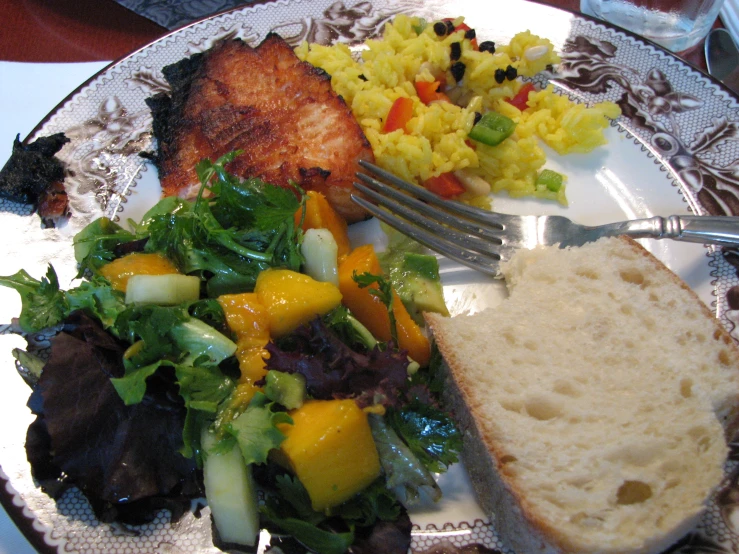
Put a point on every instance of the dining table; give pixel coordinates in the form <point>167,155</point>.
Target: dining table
<point>47,49</point>
<point>73,31</point>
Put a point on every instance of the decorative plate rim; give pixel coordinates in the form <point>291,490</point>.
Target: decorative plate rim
<point>39,535</point>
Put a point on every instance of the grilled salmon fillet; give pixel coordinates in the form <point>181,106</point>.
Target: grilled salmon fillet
<point>282,112</point>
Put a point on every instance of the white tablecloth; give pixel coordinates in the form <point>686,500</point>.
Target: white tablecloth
<point>730,17</point>
<point>28,91</point>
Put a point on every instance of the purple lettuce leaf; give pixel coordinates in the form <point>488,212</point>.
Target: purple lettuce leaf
<point>124,459</point>
<point>333,370</point>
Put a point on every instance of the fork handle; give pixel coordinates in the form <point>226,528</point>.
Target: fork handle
<point>721,230</point>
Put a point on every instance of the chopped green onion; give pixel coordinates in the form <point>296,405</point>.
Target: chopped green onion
<point>420,26</point>
<point>492,129</point>
<point>550,179</point>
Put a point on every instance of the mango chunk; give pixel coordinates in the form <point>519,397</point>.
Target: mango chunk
<point>249,322</point>
<point>330,449</point>
<point>120,270</point>
<point>246,316</point>
<point>292,299</point>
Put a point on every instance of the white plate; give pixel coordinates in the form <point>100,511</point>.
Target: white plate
<point>674,151</point>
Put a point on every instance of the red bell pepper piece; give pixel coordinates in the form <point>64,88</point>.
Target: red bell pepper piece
<point>399,115</point>
<point>428,91</point>
<point>445,185</point>
<point>522,96</point>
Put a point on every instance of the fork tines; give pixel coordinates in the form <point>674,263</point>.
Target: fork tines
<point>468,235</point>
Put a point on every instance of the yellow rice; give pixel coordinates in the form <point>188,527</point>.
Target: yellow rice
<point>435,140</point>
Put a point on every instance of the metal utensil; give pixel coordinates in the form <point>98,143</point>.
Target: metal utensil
<point>722,58</point>
<point>482,239</point>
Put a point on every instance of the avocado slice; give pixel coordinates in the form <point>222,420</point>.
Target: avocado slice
<point>287,389</point>
<point>416,280</point>
<point>414,275</point>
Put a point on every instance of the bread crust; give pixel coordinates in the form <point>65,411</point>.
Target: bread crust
<point>482,459</point>
<point>513,517</point>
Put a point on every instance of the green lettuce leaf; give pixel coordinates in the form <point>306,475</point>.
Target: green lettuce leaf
<point>94,245</point>
<point>256,429</point>
<point>167,337</point>
<point>166,206</point>
<point>201,342</point>
<point>203,388</point>
<point>430,434</point>
<point>206,391</point>
<point>132,386</point>
<point>151,325</point>
<point>373,503</point>
<point>315,538</point>
<point>170,337</point>
<point>349,329</point>
<point>355,523</point>
<point>404,473</point>
<point>211,312</point>
<point>290,509</point>
<point>228,238</point>
<point>292,491</point>
<point>43,304</point>
<point>98,299</point>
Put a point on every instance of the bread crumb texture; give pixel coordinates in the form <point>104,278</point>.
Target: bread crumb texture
<point>603,388</point>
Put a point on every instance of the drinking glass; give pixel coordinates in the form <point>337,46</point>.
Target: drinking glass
<point>677,25</point>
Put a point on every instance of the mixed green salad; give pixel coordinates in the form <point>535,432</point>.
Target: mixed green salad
<point>144,402</point>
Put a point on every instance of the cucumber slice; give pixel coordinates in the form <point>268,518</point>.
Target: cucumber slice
<point>165,290</point>
<point>230,491</point>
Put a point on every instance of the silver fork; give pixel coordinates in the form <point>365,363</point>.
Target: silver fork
<point>482,239</point>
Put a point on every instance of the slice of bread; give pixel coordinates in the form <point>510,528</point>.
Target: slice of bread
<point>595,400</point>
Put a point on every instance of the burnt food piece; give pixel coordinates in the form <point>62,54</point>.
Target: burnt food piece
<point>31,169</point>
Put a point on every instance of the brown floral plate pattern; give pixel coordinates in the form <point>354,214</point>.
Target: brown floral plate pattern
<point>675,150</point>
